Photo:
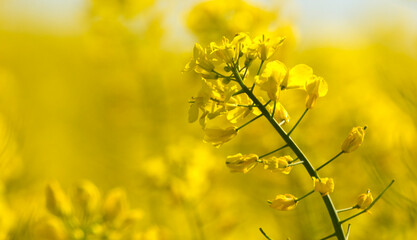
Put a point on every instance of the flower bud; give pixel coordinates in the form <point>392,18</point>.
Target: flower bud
<point>241,163</point>
<point>364,200</point>
<point>57,201</point>
<point>218,136</point>
<point>278,164</point>
<point>354,139</point>
<point>284,202</point>
<point>323,185</point>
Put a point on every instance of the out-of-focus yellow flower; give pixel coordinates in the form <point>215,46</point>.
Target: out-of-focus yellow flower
<point>315,88</point>
<point>241,163</point>
<point>115,205</point>
<point>323,185</point>
<point>281,113</point>
<point>218,136</point>
<point>267,47</point>
<point>354,139</point>
<point>271,78</point>
<point>364,200</point>
<point>298,76</point>
<point>87,197</point>
<point>279,164</point>
<point>284,202</point>
<point>57,201</point>
<point>50,229</point>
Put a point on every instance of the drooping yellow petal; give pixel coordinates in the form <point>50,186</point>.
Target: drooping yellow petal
<point>271,79</point>
<point>298,76</point>
<point>284,202</point>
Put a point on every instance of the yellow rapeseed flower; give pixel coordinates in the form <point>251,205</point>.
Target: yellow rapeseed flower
<point>218,136</point>
<point>323,185</point>
<point>354,139</point>
<point>315,88</point>
<point>278,164</point>
<point>241,163</point>
<point>364,200</point>
<point>267,46</point>
<point>271,78</point>
<point>284,202</point>
<point>298,76</point>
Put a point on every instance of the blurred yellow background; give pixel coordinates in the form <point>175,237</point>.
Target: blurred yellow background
<point>92,94</point>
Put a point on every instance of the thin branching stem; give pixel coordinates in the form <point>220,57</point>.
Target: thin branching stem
<point>330,236</point>
<point>250,121</point>
<point>296,163</point>
<point>276,150</point>
<point>301,198</point>
<point>348,232</point>
<point>346,209</point>
<point>333,158</point>
<point>263,233</point>
<point>299,120</point>
<point>369,207</point>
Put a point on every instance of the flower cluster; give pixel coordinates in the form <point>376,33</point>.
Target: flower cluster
<point>231,92</point>
<point>85,215</point>
<point>221,96</point>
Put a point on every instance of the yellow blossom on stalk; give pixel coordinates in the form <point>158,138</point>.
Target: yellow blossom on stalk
<point>271,78</point>
<point>239,112</point>
<point>267,46</point>
<point>354,139</point>
<point>202,61</point>
<point>297,77</point>
<point>218,136</point>
<point>241,163</point>
<point>284,202</point>
<point>280,113</point>
<point>315,88</point>
<point>323,185</point>
<point>226,51</point>
<point>364,200</point>
<point>279,164</point>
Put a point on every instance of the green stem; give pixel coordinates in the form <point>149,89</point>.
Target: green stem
<point>297,151</point>
<point>301,198</point>
<point>296,163</point>
<point>276,150</point>
<point>346,209</point>
<point>273,110</point>
<point>369,207</point>
<point>331,235</point>
<point>244,125</point>
<point>263,233</point>
<point>299,120</point>
<point>337,155</point>
<point>259,70</point>
<point>348,232</point>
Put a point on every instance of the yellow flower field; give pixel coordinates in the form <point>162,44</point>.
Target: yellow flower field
<point>163,119</point>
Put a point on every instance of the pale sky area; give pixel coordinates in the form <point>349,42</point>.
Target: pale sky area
<point>335,19</point>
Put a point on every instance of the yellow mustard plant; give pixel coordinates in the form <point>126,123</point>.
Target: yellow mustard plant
<point>354,139</point>
<point>284,202</point>
<point>230,92</point>
<point>241,163</point>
